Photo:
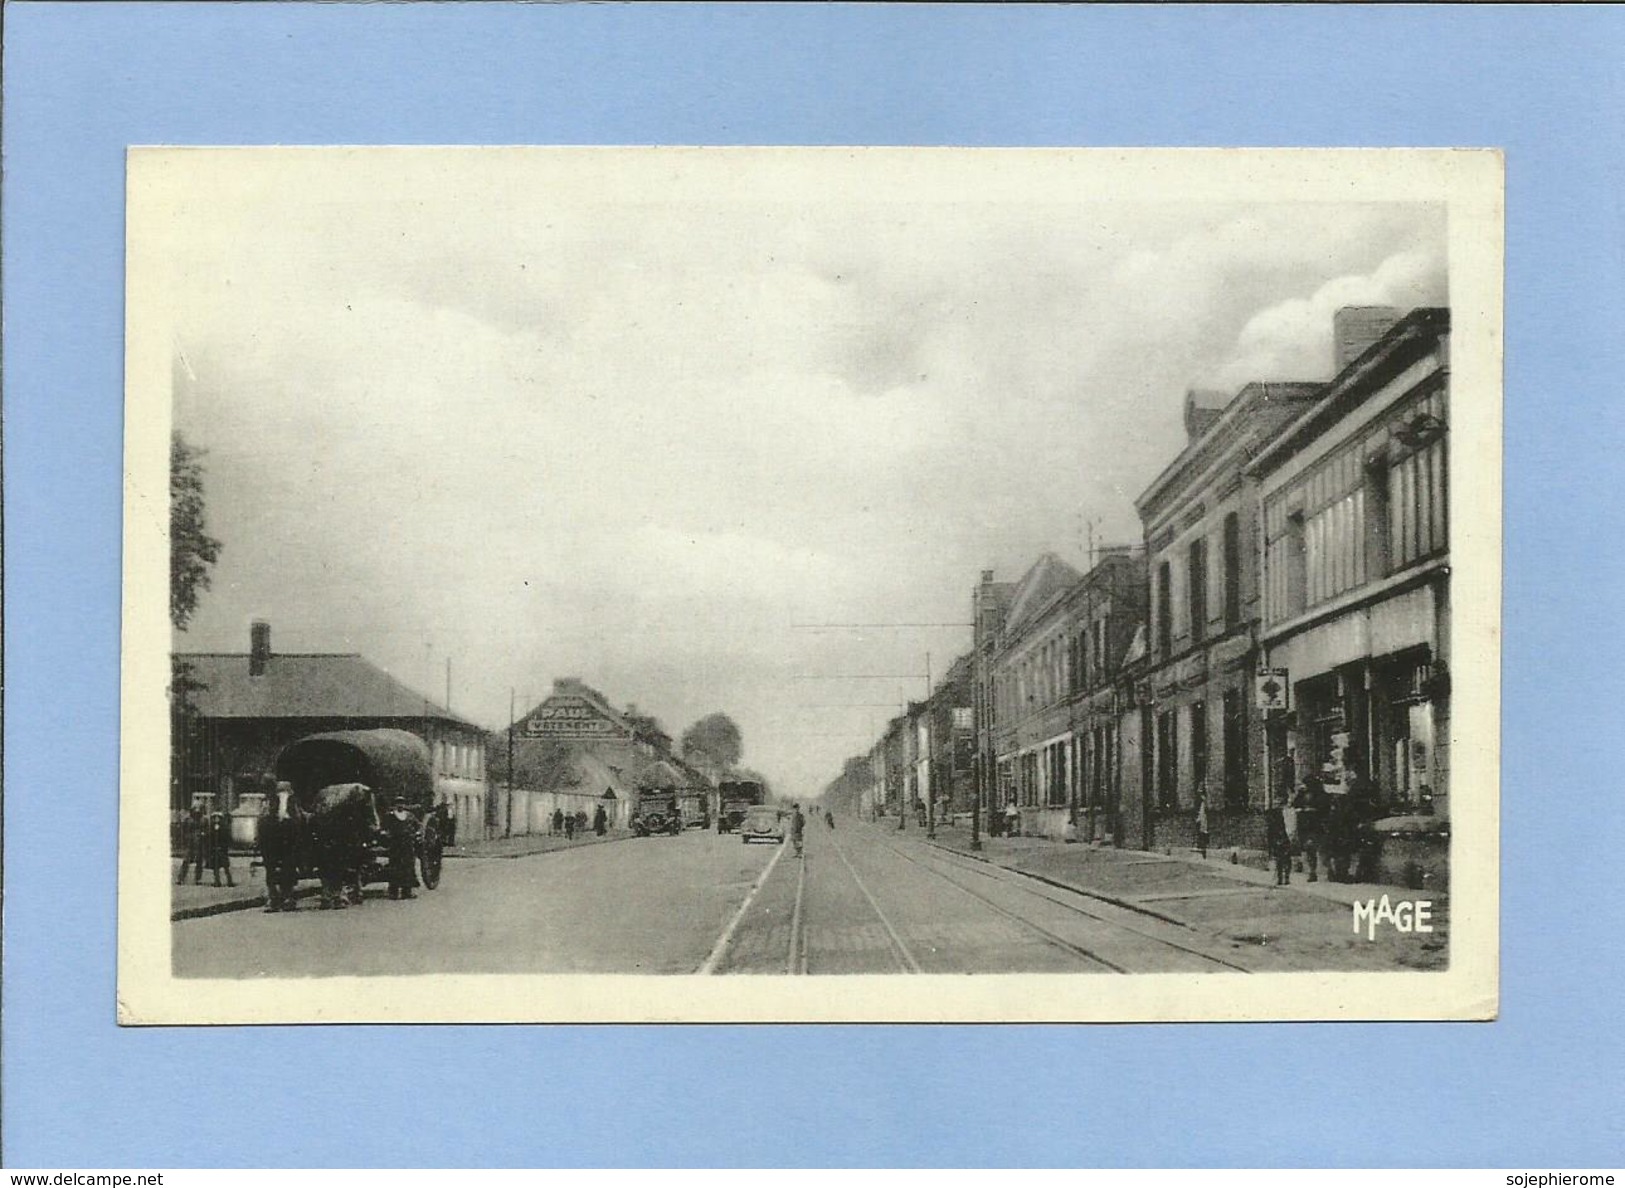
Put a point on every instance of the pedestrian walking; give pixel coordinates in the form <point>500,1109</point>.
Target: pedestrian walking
<point>798,826</point>
<point>194,843</point>
<point>600,821</point>
<point>1202,833</point>
<point>570,827</point>
<point>401,840</point>
<point>1279,844</point>
<point>217,847</point>
<point>558,822</point>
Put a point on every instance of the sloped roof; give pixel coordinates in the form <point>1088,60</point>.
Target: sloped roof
<point>661,774</point>
<point>305,685</point>
<point>597,775</point>
<point>572,687</point>
<point>1048,576</point>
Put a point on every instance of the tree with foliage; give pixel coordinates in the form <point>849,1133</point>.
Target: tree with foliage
<point>713,744</point>
<point>192,551</point>
<point>646,726</point>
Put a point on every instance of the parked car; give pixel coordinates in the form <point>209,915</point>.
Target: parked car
<point>762,823</point>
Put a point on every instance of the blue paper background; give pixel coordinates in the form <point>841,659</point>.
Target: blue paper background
<point>1540,1087</point>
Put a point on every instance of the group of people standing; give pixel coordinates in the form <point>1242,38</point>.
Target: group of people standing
<point>570,824</point>
<point>1319,826</point>
<point>287,846</point>
<point>206,841</point>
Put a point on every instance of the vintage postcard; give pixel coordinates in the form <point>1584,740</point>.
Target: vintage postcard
<point>811,584</point>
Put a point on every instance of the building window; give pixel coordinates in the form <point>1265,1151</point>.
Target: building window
<point>1197,589</point>
<point>1379,556</point>
<point>1100,648</point>
<point>1232,571</point>
<point>1057,776</point>
<point>1417,505</point>
<point>1165,610</point>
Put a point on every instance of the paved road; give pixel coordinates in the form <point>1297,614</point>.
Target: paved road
<point>860,900</point>
<point>641,905</point>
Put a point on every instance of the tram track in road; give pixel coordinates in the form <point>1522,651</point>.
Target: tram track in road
<point>796,963</point>
<point>719,950</point>
<point>900,951</point>
<point>1053,939</point>
<point>1021,883</point>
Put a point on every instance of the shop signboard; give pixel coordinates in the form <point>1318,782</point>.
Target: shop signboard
<point>1271,687</point>
<point>569,717</point>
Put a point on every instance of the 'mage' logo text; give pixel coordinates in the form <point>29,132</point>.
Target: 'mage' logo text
<point>1405,916</point>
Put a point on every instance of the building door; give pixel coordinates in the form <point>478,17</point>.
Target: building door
<point>1147,770</point>
<point>1235,749</point>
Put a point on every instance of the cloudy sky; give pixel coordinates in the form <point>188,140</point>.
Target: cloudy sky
<point>642,418</point>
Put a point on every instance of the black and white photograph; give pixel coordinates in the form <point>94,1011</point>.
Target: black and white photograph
<point>815,584</point>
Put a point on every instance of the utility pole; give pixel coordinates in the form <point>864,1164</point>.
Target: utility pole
<point>448,682</point>
<point>930,773</point>
<point>508,830</point>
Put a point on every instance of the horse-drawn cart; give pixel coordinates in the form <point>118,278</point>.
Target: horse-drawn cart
<point>330,825</point>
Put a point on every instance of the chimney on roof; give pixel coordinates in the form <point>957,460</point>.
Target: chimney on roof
<point>987,577</point>
<point>1203,406</point>
<point>1356,327</point>
<point>259,647</point>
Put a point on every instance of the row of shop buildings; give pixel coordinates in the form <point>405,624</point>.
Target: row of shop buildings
<point>1286,612</point>
<point>571,754</point>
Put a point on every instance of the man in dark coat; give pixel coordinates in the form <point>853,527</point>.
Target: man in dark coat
<point>217,845</point>
<point>600,821</point>
<point>1279,843</point>
<point>401,831</point>
<point>1312,805</point>
<point>558,821</point>
<point>194,844</point>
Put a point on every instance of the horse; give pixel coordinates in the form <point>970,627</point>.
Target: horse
<point>283,844</point>
<point>344,821</point>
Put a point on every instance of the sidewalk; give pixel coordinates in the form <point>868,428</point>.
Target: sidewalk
<point>1305,925</point>
<point>190,900</point>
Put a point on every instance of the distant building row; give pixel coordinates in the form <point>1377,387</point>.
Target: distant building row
<point>571,754</point>
<point>1287,612</point>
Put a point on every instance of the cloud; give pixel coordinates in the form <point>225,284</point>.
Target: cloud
<point>1292,339</point>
